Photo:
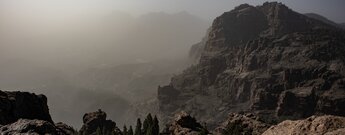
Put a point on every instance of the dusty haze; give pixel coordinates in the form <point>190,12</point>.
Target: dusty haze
<point>90,54</point>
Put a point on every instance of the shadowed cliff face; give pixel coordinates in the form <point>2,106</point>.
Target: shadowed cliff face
<point>267,59</point>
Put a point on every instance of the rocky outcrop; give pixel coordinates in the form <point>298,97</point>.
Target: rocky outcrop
<point>64,129</point>
<point>316,125</point>
<point>16,105</point>
<point>32,127</point>
<point>242,124</point>
<point>268,60</point>
<point>184,124</point>
<point>97,121</point>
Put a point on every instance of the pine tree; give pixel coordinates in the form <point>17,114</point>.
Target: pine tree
<point>149,119</point>
<point>138,128</point>
<point>125,132</point>
<point>130,131</point>
<point>155,126</point>
<point>147,126</point>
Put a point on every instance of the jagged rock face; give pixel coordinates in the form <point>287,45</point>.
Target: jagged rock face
<point>316,125</point>
<point>184,124</point>
<point>16,105</point>
<point>268,60</point>
<point>244,124</point>
<point>97,120</point>
<point>32,127</point>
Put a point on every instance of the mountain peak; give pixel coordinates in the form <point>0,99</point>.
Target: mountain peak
<point>246,22</point>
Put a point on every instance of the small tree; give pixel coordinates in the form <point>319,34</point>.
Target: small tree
<point>124,131</point>
<point>130,131</point>
<point>148,124</point>
<point>155,126</point>
<point>138,128</point>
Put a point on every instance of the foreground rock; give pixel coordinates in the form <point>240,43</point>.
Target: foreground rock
<point>268,60</point>
<point>32,127</point>
<point>315,125</point>
<point>184,124</point>
<point>16,105</point>
<point>97,121</point>
<point>64,129</point>
<point>242,124</point>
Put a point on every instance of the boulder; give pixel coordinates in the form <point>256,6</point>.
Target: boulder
<point>184,124</point>
<point>64,129</point>
<point>94,121</point>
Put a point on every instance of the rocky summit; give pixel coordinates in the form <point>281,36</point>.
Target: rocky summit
<point>94,121</point>
<point>268,60</point>
<point>16,105</point>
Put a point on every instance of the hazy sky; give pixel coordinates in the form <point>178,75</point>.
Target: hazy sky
<point>207,9</point>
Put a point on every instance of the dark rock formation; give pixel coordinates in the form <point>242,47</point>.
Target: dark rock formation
<point>32,127</point>
<point>97,120</point>
<point>268,60</point>
<point>316,125</point>
<point>242,124</point>
<point>64,129</point>
<point>16,105</point>
<point>184,124</point>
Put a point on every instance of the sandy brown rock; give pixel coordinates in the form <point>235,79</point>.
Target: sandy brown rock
<point>314,125</point>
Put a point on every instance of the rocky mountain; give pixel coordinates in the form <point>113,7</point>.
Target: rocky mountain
<point>268,60</point>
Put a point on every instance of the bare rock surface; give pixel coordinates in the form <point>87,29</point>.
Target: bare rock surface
<point>184,124</point>
<point>242,124</point>
<point>29,127</point>
<point>314,125</point>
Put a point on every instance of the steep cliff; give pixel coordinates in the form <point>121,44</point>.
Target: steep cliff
<point>268,60</point>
